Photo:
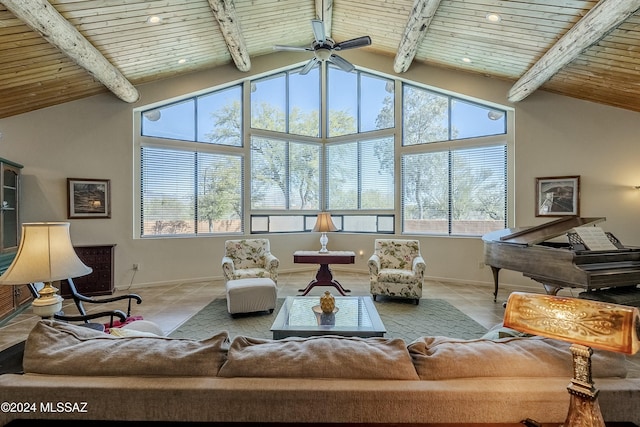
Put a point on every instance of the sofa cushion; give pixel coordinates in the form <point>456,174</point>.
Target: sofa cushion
<point>437,358</point>
<point>59,348</point>
<point>319,357</point>
<point>500,331</point>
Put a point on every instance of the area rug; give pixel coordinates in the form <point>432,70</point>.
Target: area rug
<point>402,320</point>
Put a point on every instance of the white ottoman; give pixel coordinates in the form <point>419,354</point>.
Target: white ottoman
<point>250,295</point>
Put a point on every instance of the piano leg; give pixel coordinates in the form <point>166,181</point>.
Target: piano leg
<point>496,272</point>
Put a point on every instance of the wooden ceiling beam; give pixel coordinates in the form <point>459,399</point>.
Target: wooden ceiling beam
<point>225,13</point>
<point>44,19</point>
<point>415,30</point>
<point>324,11</point>
<point>605,16</point>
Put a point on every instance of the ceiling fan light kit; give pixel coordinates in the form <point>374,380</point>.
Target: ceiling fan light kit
<point>324,47</point>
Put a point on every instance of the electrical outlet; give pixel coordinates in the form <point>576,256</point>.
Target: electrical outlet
<point>136,266</point>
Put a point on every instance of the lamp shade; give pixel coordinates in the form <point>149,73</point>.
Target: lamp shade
<point>596,324</point>
<point>45,254</point>
<point>324,223</point>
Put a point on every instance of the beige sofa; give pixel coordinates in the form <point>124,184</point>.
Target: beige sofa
<point>76,373</point>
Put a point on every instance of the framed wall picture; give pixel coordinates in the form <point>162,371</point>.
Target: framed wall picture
<point>89,198</point>
<point>558,196</point>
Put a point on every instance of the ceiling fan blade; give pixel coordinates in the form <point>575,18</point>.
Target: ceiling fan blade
<point>309,66</point>
<point>342,63</point>
<point>291,48</point>
<point>318,30</point>
<point>353,43</point>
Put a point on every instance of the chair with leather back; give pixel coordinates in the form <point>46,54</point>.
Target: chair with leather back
<point>396,269</point>
<point>79,299</point>
<point>85,317</point>
<point>247,258</point>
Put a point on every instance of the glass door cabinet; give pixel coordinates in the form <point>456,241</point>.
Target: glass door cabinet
<point>11,297</point>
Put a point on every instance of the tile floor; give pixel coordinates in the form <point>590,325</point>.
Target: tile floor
<point>171,305</point>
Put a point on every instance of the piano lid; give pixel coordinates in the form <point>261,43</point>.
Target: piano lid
<point>540,233</point>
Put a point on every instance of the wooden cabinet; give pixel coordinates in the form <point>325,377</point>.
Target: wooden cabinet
<point>100,282</point>
<point>7,305</point>
<point>11,297</point>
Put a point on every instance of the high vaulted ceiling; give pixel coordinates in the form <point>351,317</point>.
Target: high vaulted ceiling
<point>60,50</point>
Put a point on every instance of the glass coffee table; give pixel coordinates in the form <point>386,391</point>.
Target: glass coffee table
<point>355,316</point>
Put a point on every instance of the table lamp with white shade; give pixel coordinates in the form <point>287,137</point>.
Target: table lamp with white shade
<point>324,224</point>
<point>45,255</point>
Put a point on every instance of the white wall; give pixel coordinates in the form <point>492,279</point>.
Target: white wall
<point>92,138</point>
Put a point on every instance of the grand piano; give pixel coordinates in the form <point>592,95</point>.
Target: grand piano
<point>560,264</point>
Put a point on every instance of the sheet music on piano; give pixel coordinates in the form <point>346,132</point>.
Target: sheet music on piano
<point>595,239</point>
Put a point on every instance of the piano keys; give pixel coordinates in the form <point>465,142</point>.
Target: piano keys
<point>559,264</point>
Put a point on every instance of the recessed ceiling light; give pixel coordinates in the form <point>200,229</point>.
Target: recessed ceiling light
<point>493,17</point>
<point>467,60</point>
<point>154,19</point>
<point>182,61</point>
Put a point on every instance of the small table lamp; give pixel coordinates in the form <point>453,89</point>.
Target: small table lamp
<point>45,254</point>
<point>585,324</point>
<point>324,224</point>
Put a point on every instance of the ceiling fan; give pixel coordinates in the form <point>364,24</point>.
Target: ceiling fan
<point>324,47</point>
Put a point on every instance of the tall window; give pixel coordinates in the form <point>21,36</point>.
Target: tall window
<point>461,189</point>
<point>200,162</point>
<point>192,186</point>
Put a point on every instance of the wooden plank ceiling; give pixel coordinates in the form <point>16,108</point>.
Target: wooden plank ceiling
<point>525,46</point>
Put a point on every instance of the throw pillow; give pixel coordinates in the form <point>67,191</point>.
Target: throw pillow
<point>122,332</point>
<point>437,358</point>
<point>58,348</point>
<point>319,357</point>
<point>144,326</point>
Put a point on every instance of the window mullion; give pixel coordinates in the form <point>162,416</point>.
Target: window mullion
<point>142,178</point>
<point>287,105</point>
<point>287,174</point>
<point>506,187</point>
<point>196,192</point>
<point>359,172</point>
<point>450,193</point>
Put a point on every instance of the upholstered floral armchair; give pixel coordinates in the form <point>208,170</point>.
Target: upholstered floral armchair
<point>396,269</point>
<point>246,258</point>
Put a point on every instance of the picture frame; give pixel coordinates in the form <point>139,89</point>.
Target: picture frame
<point>88,198</point>
<point>558,196</point>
